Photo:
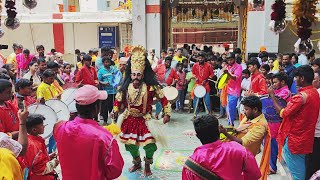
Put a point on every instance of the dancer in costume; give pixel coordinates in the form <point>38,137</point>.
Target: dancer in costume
<point>136,93</point>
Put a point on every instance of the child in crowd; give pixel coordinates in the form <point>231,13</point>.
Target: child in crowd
<point>180,87</point>
<point>40,164</point>
<point>191,82</point>
<point>279,83</point>
<point>67,75</point>
<point>265,69</point>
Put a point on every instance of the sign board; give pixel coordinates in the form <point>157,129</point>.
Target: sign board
<point>107,37</point>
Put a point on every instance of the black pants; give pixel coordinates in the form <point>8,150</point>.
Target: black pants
<point>313,159</point>
<point>106,107</point>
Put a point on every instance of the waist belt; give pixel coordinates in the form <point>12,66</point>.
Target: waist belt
<point>135,113</point>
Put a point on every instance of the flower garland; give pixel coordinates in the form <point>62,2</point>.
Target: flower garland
<point>304,14</point>
<point>278,17</point>
<point>11,22</point>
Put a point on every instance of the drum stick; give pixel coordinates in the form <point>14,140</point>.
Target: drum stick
<point>211,80</point>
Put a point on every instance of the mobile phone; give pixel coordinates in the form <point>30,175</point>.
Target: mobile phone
<point>21,103</point>
<point>153,51</point>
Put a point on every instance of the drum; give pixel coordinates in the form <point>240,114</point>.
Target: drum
<point>223,81</point>
<point>200,91</point>
<point>230,130</point>
<point>49,114</point>
<point>171,93</point>
<point>269,110</point>
<point>68,98</point>
<point>60,108</point>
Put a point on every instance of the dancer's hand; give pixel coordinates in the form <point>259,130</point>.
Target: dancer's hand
<point>166,119</point>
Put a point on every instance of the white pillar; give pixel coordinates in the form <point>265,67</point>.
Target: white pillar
<point>258,32</point>
<point>154,29</point>
<point>139,30</point>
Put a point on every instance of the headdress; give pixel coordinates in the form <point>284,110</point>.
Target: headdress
<point>138,59</point>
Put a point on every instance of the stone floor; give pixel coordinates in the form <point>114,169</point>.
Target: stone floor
<point>181,143</point>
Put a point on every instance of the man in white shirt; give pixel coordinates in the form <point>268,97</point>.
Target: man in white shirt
<point>302,59</point>
<point>313,159</point>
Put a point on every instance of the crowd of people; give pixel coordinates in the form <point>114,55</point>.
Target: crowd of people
<point>124,87</point>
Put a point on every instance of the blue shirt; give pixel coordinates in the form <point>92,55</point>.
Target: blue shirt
<point>109,76</point>
<point>99,63</point>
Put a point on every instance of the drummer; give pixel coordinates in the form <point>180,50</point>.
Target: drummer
<point>46,90</point>
<point>202,71</point>
<point>37,159</point>
<point>24,90</point>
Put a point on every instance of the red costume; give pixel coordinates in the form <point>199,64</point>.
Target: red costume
<point>134,129</point>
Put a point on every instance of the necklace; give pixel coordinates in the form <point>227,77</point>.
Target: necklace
<point>136,98</point>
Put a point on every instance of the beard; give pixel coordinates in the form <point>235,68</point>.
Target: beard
<point>136,82</point>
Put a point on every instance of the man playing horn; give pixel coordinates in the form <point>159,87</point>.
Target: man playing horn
<point>136,93</point>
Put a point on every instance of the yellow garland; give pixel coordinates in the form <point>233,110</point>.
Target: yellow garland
<point>306,9</point>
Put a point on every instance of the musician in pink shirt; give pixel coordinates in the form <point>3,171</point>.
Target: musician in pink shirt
<point>87,150</point>
<point>234,71</point>
<point>224,160</point>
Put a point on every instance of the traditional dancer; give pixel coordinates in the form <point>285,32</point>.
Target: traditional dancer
<point>136,93</point>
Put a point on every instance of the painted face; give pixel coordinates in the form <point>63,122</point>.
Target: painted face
<point>6,94</point>
<point>136,75</point>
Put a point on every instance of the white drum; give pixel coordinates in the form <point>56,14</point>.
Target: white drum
<point>200,91</point>
<point>68,98</point>
<point>171,93</point>
<point>60,108</point>
<point>49,114</point>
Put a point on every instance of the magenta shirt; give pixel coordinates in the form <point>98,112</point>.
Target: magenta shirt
<point>22,62</point>
<point>234,86</point>
<point>226,160</point>
<point>87,151</point>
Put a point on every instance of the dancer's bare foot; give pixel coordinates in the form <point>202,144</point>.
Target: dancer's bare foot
<point>147,169</point>
<point>134,168</point>
<point>136,165</point>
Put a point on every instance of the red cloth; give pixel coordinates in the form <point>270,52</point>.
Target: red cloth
<point>87,150</point>
<point>87,75</point>
<point>36,158</point>
<point>299,121</point>
<point>258,84</point>
<point>203,72</point>
<point>9,120</point>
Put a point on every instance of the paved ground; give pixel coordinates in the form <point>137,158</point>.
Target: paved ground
<point>181,143</point>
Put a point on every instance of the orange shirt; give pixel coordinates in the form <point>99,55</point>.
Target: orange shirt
<point>258,84</point>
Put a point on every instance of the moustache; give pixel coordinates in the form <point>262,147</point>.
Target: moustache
<point>136,79</point>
